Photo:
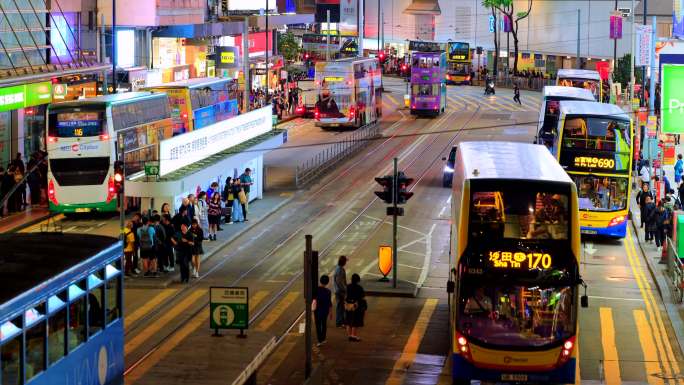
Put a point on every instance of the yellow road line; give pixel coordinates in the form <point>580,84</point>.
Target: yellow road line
<point>34,228</point>
<point>390,97</point>
<point>168,345</point>
<point>411,348</point>
<point>152,303</point>
<point>611,362</point>
<point>651,362</point>
<point>277,311</point>
<point>459,102</point>
<point>658,329</point>
<point>158,324</point>
<point>257,298</point>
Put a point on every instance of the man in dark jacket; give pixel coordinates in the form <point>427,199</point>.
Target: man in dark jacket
<point>649,218</point>
<point>641,200</point>
<point>662,225</point>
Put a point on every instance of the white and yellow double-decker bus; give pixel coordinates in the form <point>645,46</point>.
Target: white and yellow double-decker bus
<point>594,145</point>
<point>515,248</point>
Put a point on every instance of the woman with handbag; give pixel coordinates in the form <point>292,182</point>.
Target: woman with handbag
<point>355,306</point>
<point>214,212</point>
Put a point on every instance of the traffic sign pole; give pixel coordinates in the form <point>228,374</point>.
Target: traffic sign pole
<point>395,198</point>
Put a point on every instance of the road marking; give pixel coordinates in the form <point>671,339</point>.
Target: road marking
<point>662,342</point>
<point>162,321</point>
<point>617,298</point>
<point>428,255</point>
<point>412,344</point>
<point>174,340</point>
<point>152,303</point>
<point>277,311</point>
<point>392,99</point>
<point>34,228</point>
<point>611,367</point>
<point>647,346</point>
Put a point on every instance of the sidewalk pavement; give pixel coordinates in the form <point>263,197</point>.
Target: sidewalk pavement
<point>17,221</point>
<point>259,210</point>
<point>658,271</point>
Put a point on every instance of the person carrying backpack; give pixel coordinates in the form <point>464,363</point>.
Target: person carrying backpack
<point>146,237</point>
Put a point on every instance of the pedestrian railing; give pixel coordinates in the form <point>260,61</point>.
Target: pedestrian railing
<point>334,153</point>
<point>675,272</point>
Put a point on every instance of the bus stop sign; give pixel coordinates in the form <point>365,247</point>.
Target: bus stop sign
<point>229,308</point>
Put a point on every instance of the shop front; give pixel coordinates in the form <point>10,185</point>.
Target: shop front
<point>181,58</point>
<point>22,119</point>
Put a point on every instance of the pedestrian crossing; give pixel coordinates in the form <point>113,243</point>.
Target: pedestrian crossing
<point>470,98</point>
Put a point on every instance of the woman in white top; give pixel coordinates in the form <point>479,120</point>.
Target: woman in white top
<point>202,211</point>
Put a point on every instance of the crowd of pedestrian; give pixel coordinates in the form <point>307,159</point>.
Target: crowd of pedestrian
<point>23,185</point>
<point>156,243</point>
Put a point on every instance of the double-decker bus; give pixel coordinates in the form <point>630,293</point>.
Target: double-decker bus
<point>459,63</point>
<point>61,322</point>
<point>86,137</point>
<point>515,246</point>
<point>594,145</point>
<point>550,110</point>
<point>315,45</point>
<point>349,93</point>
<point>428,83</point>
<point>587,79</point>
<point>200,102</point>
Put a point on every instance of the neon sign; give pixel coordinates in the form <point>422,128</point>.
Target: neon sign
<point>519,260</point>
<point>594,162</point>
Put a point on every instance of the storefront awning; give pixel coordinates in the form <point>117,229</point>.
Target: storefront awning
<point>423,7</point>
<point>198,31</point>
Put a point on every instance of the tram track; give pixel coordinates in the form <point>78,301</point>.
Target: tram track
<point>331,181</point>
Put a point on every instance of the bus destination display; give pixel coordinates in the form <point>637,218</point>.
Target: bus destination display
<point>594,162</point>
<point>518,260</point>
<point>78,124</point>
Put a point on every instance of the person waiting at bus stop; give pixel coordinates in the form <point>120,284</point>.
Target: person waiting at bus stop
<point>641,200</point>
<point>184,245</point>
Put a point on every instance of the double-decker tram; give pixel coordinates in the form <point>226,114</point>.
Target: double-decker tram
<point>428,79</point>
<point>515,248</point>
<point>550,110</point>
<point>61,319</point>
<point>594,145</point>
<point>349,93</point>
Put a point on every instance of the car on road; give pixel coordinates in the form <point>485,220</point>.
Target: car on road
<point>448,174</point>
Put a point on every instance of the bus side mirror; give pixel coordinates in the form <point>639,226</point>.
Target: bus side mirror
<point>584,301</point>
<point>451,285</point>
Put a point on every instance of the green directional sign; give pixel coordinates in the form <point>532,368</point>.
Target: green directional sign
<point>229,308</point>
<point>152,168</point>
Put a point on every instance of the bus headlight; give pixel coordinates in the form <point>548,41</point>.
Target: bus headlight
<point>448,169</point>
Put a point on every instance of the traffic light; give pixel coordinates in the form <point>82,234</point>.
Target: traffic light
<point>119,176</point>
<point>382,57</point>
<point>387,183</point>
<point>402,183</point>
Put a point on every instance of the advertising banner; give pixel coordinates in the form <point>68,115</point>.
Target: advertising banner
<point>672,104</point>
<point>642,57</point>
<point>27,95</point>
<point>227,57</point>
<point>186,149</point>
<point>616,27</point>
<point>348,18</point>
<point>678,19</point>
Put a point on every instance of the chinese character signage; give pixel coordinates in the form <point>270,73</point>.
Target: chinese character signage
<point>229,308</point>
<point>672,103</point>
<point>519,260</point>
<point>642,56</point>
<point>191,147</point>
<point>348,17</point>
<point>27,95</point>
<point>616,27</point>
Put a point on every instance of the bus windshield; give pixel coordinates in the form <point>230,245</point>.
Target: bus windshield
<point>597,133</point>
<point>516,213</point>
<point>588,84</point>
<point>76,124</point>
<point>601,193</point>
<point>514,311</point>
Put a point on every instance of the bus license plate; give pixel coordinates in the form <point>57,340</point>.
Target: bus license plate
<point>589,232</point>
<point>82,210</point>
<point>514,377</point>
